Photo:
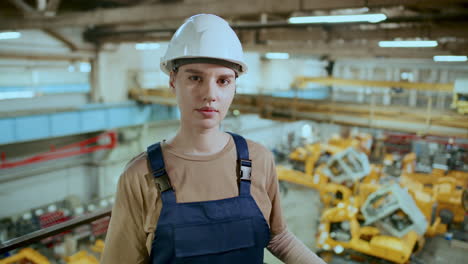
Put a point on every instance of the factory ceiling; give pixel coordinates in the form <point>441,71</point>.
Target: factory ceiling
<point>261,25</point>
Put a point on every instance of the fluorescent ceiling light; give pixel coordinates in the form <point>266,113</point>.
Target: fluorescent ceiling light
<point>10,35</point>
<point>277,56</point>
<point>372,18</point>
<point>408,44</point>
<point>16,94</point>
<point>450,58</point>
<point>147,46</point>
<point>85,67</point>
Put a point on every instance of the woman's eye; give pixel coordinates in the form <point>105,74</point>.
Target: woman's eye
<point>195,78</point>
<point>224,81</point>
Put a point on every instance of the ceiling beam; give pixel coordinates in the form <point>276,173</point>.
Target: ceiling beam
<point>347,50</point>
<point>349,33</point>
<point>52,6</point>
<point>54,34</point>
<point>161,12</point>
<point>72,56</point>
<point>152,13</point>
<point>25,8</point>
<point>340,4</point>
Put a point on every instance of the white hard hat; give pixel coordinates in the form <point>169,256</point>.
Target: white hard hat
<point>204,38</point>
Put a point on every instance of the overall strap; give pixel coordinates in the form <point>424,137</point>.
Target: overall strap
<point>244,164</point>
<point>158,170</point>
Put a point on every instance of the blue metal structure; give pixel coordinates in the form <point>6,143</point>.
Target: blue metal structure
<point>89,118</point>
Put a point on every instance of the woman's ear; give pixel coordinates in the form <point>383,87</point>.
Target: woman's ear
<point>172,77</point>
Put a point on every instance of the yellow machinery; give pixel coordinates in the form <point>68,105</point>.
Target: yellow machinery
<point>301,81</point>
<point>449,199</point>
<point>401,206</point>
<point>460,96</point>
<point>332,194</point>
<point>465,199</point>
<point>98,246</point>
<point>26,255</point>
<point>392,209</point>
<point>446,191</point>
<point>82,257</point>
<point>337,161</point>
<point>339,231</point>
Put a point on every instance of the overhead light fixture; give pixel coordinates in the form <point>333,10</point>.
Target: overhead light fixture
<point>10,35</point>
<point>277,56</point>
<point>85,67</point>
<point>16,95</point>
<point>371,18</point>
<point>147,46</point>
<point>450,58</point>
<point>408,44</point>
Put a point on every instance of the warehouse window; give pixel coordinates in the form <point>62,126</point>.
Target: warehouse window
<point>28,79</point>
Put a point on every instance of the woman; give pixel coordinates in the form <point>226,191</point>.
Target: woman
<point>204,196</point>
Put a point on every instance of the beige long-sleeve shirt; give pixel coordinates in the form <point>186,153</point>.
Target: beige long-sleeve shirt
<point>195,178</point>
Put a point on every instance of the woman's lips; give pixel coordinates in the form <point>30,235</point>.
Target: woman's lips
<point>207,112</point>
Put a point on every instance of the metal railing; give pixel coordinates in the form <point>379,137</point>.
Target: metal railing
<point>38,235</point>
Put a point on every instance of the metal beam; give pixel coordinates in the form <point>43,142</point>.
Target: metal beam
<point>350,33</point>
<point>440,87</point>
<point>282,30</point>
<point>52,6</point>
<point>169,11</point>
<point>399,118</point>
<point>151,13</point>
<point>53,230</point>
<point>26,9</point>
<point>72,56</point>
<point>336,50</point>
<point>54,34</point>
<point>21,5</point>
<point>340,4</point>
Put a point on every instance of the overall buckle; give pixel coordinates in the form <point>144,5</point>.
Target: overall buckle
<point>245,169</point>
<point>162,180</point>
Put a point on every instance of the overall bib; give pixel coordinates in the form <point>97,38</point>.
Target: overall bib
<point>231,230</point>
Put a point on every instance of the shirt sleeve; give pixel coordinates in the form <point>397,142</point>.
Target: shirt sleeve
<point>283,244</point>
<point>126,239</point>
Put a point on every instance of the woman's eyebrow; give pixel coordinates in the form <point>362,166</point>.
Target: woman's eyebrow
<point>193,71</point>
<point>226,76</point>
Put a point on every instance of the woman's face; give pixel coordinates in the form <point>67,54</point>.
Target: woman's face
<point>204,93</point>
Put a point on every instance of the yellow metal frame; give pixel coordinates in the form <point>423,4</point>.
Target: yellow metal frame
<point>26,254</point>
<point>98,246</point>
<point>389,248</point>
<point>82,257</point>
<point>445,87</point>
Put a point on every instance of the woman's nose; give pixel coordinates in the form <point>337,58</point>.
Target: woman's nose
<point>209,91</point>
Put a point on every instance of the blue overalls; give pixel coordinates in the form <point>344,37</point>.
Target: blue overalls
<point>231,230</point>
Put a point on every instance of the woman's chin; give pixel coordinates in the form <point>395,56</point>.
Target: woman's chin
<point>207,123</point>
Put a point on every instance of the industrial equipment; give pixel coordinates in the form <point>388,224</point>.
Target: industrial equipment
<point>347,167</point>
<point>393,209</point>
<point>340,232</point>
<point>460,96</point>
<point>82,257</point>
<point>26,255</point>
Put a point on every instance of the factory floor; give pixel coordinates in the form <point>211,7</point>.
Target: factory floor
<point>302,208</point>
<point>438,250</point>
